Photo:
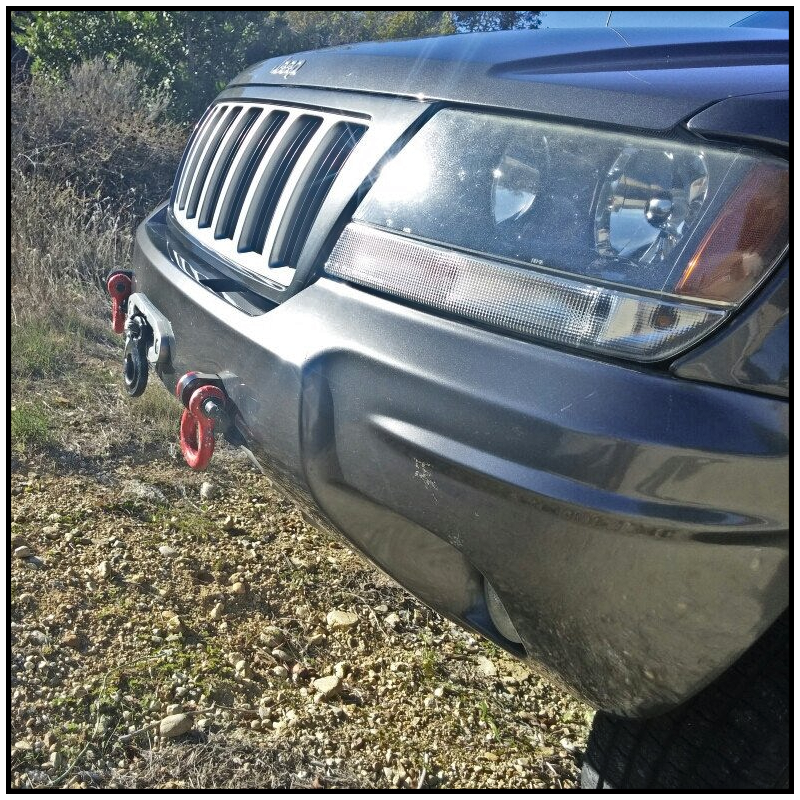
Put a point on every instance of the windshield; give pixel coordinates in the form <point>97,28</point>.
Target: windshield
<point>653,19</point>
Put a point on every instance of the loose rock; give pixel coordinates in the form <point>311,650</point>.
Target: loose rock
<point>329,686</point>
<point>341,620</point>
<point>271,636</point>
<point>486,666</point>
<point>175,725</point>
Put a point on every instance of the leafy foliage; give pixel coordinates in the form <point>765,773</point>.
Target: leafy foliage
<point>475,21</point>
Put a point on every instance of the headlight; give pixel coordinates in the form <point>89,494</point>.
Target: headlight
<point>621,244</point>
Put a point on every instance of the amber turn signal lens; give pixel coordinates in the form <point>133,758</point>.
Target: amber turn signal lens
<point>744,241</point>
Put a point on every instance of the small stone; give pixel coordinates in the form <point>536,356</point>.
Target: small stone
<point>271,636</point>
<point>329,686</point>
<point>255,724</point>
<point>57,760</point>
<point>104,570</point>
<point>238,588</point>
<point>489,756</point>
<point>228,524</point>
<point>342,669</point>
<point>26,597</point>
<point>317,639</point>
<point>438,692</point>
<point>218,611</point>
<point>37,637</point>
<point>22,552</point>
<point>18,541</point>
<point>175,725</point>
<point>280,672</point>
<point>51,531</point>
<point>54,517</point>
<point>299,671</point>
<point>486,667</point>
<point>174,708</point>
<point>72,640</point>
<point>392,620</point>
<point>341,620</point>
<point>49,739</point>
<point>168,551</point>
<point>174,623</point>
<point>207,490</point>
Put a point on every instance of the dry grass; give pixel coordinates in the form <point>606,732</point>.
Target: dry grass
<point>89,157</point>
<point>226,761</point>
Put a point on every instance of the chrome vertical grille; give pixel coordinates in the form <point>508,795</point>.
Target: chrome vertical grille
<point>254,179</point>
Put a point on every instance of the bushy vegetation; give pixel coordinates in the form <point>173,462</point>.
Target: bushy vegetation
<point>189,56</point>
<point>89,156</point>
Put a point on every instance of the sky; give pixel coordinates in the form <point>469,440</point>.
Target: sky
<point>630,19</point>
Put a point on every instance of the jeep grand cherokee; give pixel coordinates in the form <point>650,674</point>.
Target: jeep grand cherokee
<point>510,312</point>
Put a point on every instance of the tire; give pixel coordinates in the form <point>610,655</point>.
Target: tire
<point>736,734</point>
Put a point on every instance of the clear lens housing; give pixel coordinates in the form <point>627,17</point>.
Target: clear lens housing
<point>602,240</point>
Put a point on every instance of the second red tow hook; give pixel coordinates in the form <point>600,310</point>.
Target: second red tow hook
<point>206,408</point>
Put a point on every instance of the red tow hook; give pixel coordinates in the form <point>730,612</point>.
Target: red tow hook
<point>205,407</point>
<point>119,287</point>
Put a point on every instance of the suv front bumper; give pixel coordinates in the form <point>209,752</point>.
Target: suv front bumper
<point>635,525</point>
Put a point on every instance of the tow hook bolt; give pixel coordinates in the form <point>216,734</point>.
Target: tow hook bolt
<point>119,286</point>
<point>206,408</point>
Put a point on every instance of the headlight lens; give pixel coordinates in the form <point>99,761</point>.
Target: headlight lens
<point>617,243</point>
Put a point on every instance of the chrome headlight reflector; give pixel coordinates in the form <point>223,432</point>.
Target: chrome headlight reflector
<point>616,243</point>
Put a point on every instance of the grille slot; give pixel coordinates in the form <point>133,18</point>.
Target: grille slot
<point>242,174</point>
<point>273,180</point>
<point>204,165</point>
<point>223,165</point>
<point>310,192</point>
<point>254,179</point>
<point>197,145</point>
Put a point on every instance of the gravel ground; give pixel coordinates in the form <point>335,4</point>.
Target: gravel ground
<point>171,634</point>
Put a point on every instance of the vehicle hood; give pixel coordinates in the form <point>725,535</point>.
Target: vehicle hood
<point>639,77</point>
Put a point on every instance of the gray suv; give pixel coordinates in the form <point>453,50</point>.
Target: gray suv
<point>510,312</point>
